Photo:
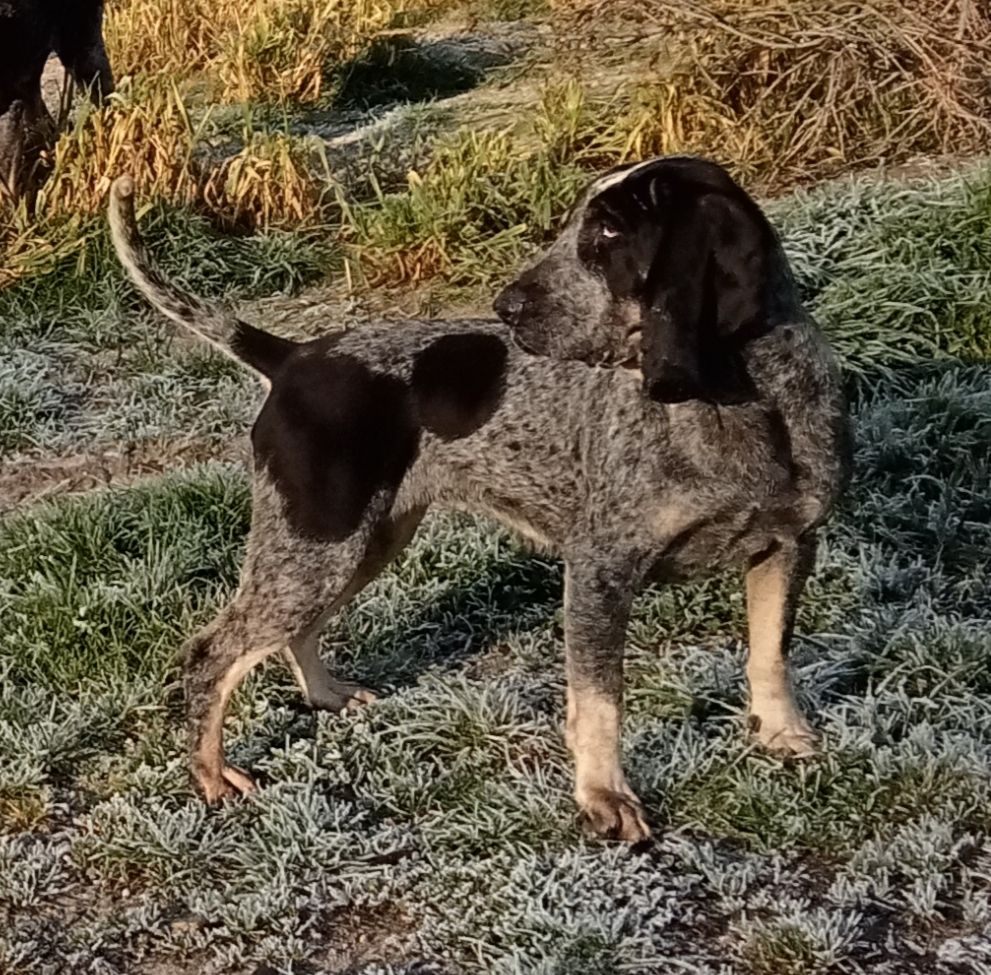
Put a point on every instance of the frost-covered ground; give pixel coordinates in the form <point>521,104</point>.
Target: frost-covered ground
<point>434,831</point>
<point>436,826</point>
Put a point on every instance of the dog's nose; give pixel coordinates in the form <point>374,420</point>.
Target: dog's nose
<point>509,304</point>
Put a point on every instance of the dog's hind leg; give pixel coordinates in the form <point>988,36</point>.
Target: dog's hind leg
<point>773,587</point>
<point>320,688</point>
<point>286,585</point>
<point>13,136</point>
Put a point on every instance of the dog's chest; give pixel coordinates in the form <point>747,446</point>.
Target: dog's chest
<point>723,511</point>
<point>688,541</point>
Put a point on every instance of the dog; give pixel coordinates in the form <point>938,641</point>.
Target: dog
<point>709,430</point>
<point>30,30</point>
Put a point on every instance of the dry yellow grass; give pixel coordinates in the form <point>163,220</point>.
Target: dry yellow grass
<point>271,181</point>
<point>165,38</point>
<point>176,59</point>
<point>784,92</point>
<point>796,91</point>
<point>147,132</point>
<point>274,180</point>
<point>22,810</point>
<point>244,50</point>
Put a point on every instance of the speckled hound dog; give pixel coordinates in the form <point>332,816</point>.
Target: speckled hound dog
<point>726,446</point>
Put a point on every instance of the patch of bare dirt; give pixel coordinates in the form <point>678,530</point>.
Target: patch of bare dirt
<point>356,937</point>
<point>33,479</point>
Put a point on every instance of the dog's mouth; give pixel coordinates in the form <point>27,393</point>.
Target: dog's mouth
<point>629,356</point>
<point>523,344</point>
<point>633,349</point>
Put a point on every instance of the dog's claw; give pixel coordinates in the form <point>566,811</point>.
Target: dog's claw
<point>614,815</point>
<point>243,783</point>
<point>343,697</point>
<point>359,697</point>
<point>792,737</point>
<point>230,784</point>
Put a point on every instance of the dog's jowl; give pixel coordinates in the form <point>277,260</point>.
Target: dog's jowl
<point>659,405</point>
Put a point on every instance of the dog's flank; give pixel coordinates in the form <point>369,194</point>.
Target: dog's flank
<point>262,351</point>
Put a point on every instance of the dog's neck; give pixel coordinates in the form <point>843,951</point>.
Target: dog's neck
<point>796,374</point>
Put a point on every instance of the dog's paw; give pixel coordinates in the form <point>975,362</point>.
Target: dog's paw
<point>341,697</point>
<point>230,784</point>
<point>788,735</point>
<point>614,814</point>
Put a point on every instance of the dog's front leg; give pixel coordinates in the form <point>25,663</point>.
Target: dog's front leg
<point>597,601</point>
<point>773,588</point>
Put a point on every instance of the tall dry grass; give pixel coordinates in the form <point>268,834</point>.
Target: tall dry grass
<point>274,180</point>
<point>799,90</point>
<point>247,50</point>
<point>783,91</point>
<point>176,59</point>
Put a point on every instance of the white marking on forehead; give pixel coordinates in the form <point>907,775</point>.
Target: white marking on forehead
<point>611,179</point>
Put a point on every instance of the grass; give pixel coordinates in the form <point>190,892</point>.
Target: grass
<point>217,112</point>
<point>793,92</point>
<point>178,62</point>
<point>283,51</point>
<point>84,362</point>
<point>434,831</point>
<point>454,789</point>
<point>894,272</point>
<point>458,221</point>
<point>446,805</point>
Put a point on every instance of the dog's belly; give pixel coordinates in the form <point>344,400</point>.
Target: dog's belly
<point>534,529</point>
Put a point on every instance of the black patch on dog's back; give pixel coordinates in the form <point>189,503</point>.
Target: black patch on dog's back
<point>332,434</point>
<point>260,350</point>
<point>458,382</point>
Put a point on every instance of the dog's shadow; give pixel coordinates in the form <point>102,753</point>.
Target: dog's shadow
<point>505,596</point>
<point>387,649</point>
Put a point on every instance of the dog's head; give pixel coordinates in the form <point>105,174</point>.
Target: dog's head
<point>663,265</point>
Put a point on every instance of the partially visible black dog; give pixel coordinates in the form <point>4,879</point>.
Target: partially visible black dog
<point>30,30</point>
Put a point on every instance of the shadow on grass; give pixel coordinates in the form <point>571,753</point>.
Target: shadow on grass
<point>399,69</point>
<point>502,599</point>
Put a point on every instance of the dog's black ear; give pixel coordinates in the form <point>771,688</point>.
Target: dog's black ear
<point>705,294</point>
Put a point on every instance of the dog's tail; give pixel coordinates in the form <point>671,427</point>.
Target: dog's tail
<point>258,349</point>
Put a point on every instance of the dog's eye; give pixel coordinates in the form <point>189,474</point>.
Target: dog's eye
<point>608,232</point>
